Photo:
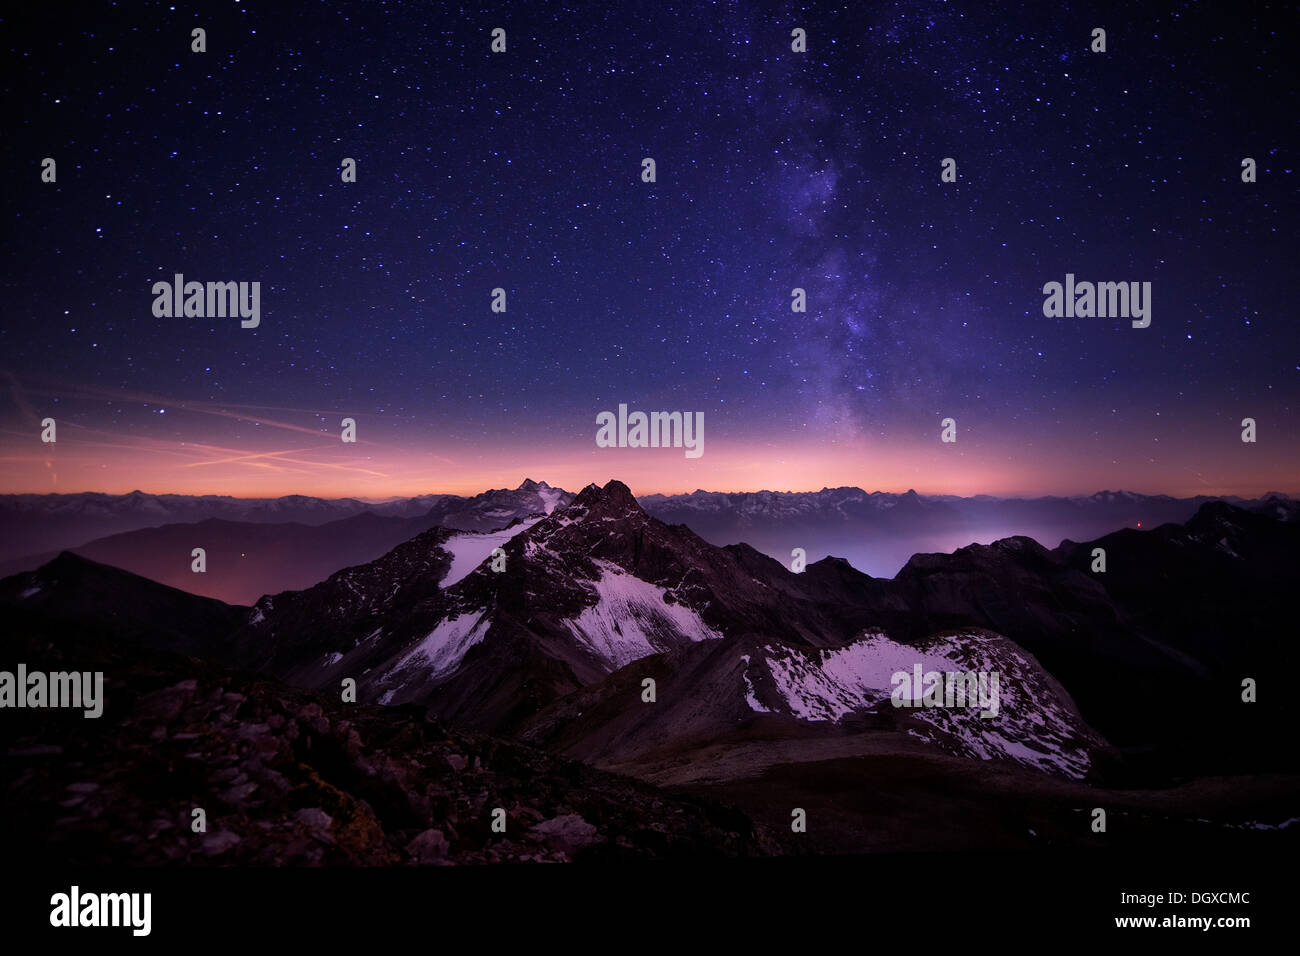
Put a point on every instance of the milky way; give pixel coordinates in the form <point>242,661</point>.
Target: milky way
<point>775,170</point>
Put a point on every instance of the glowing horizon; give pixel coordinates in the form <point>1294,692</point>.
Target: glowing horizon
<point>312,464</point>
<point>800,271</point>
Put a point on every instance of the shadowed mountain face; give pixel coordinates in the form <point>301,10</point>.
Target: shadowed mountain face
<point>878,532</point>
<point>71,592</point>
<point>258,555</point>
<point>44,524</point>
<point>601,633</point>
<point>242,559</point>
<point>40,524</point>
<point>1155,648</point>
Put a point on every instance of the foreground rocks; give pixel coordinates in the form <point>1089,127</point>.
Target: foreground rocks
<point>288,777</point>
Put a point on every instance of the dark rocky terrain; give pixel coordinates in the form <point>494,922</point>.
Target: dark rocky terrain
<point>1121,689</point>
<point>291,777</point>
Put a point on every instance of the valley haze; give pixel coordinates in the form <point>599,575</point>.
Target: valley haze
<point>294,541</point>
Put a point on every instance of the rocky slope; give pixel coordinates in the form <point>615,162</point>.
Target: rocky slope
<point>290,777</point>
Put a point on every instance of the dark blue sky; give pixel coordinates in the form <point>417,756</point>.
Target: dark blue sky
<point>774,170</point>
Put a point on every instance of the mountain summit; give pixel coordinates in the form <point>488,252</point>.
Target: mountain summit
<point>615,496</point>
<point>574,598</point>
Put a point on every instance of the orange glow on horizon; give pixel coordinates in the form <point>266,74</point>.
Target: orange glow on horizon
<point>167,445</point>
<point>377,471</point>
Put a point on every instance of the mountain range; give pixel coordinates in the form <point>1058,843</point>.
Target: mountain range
<point>261,546</point>
<point>878,532</point>
<point>589,629</point>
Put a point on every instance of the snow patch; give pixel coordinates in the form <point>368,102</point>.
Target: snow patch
<point>470,550</point>
<point>1032,726</point>
<point>833,684</point>
<point>631,619</point>
<point>446,645</point>
<point>750,697</point>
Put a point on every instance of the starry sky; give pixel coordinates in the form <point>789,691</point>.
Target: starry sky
<point>775,170</point>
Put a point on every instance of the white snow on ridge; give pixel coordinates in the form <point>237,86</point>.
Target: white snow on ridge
<point>1256,825</point>
<point>469,550</point>
<point>831,684</point>
<point>446,645</point>
<point>550,498</point>
<point>872,663</point>
<point>1031,725</point>
<point>750,697</point>
<point>631,619</point>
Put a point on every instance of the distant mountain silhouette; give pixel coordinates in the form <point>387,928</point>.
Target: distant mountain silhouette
<point>249,558</point>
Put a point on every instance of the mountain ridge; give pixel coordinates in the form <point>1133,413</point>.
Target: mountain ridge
<point>599,585</point>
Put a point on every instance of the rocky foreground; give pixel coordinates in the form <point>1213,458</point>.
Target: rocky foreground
<point>290,777</point>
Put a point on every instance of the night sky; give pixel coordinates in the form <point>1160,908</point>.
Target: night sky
<point>775,170</point>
